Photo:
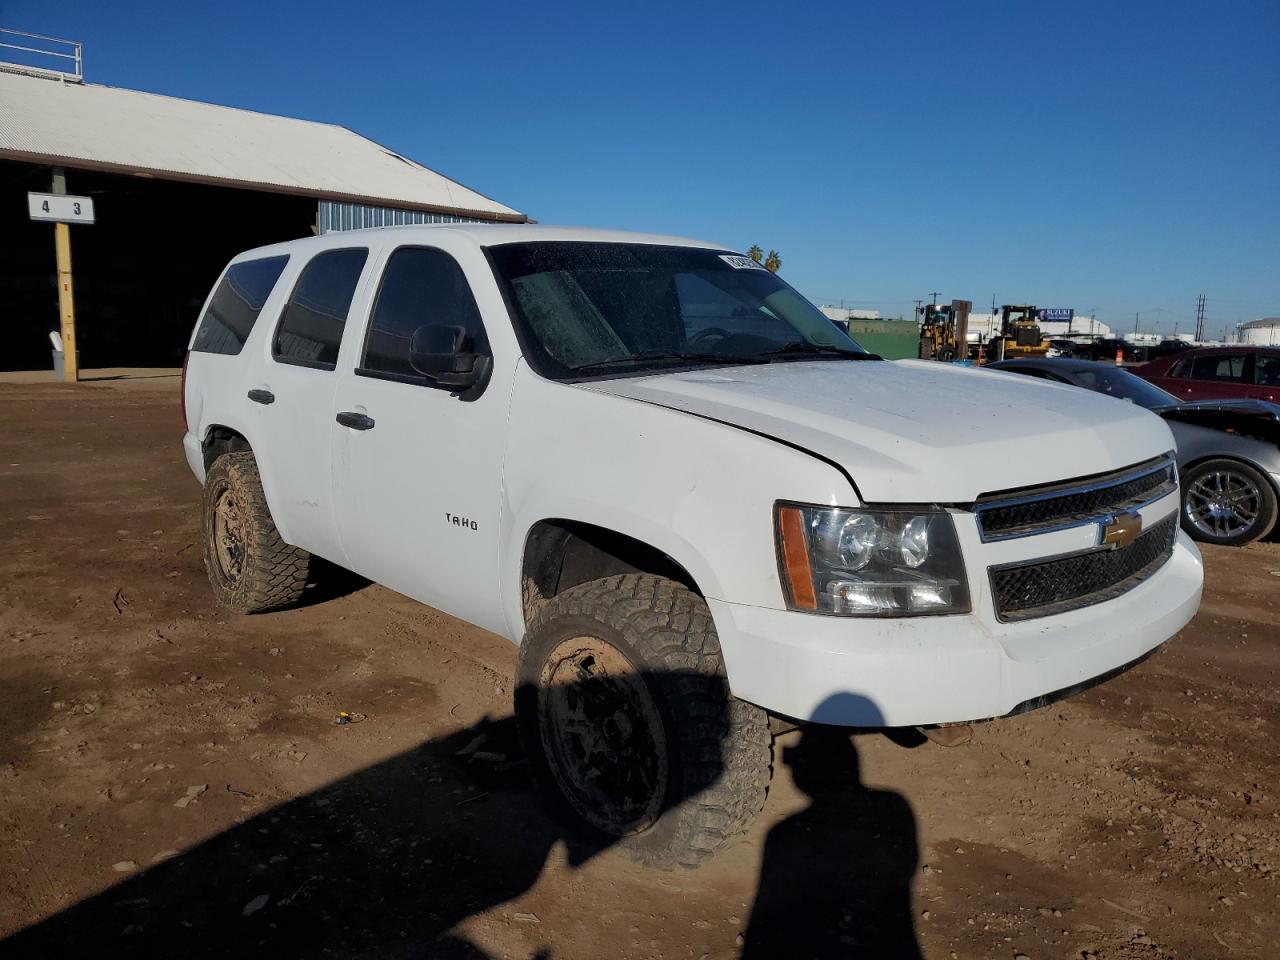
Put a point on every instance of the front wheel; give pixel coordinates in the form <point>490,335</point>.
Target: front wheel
<point>1227,502</point>
<point>627,721</point>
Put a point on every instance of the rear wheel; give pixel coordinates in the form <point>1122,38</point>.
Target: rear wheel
<point>1227,502</point>
<point>628,723</point>
<point>250,568</point>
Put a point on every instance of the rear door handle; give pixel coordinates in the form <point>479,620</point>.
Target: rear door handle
<point>356,421</point>
<point>262,396</point>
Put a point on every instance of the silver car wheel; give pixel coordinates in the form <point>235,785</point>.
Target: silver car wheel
<point>1222,504</point>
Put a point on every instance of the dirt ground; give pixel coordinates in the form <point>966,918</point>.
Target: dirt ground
<point>172,780</point>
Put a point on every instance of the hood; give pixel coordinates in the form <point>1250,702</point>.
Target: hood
<point>917,431</point>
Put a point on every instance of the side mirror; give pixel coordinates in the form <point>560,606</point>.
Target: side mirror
<point>439,351</point>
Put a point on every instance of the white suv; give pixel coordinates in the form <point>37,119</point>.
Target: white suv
<point>688,496</point>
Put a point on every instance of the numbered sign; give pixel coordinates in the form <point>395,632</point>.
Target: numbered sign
<point>60,208</point>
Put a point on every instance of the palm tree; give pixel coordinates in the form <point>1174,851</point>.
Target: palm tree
<point>755,253</point>
<point>773,262</point>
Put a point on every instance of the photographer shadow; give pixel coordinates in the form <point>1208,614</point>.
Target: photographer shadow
<point>835,878</point>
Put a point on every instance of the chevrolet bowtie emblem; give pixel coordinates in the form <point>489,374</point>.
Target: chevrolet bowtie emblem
<point>1121,530</point>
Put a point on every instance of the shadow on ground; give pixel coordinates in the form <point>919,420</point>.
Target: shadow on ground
<point>387,861</point>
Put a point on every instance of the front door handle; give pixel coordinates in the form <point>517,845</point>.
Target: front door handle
<point>262,396</point>
<point>356,421</point>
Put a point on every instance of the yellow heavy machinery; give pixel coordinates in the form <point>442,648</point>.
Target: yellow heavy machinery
<point>1019,334</point>
<point>944,330</point>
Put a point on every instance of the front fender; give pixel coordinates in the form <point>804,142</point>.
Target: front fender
<point>701,492</point>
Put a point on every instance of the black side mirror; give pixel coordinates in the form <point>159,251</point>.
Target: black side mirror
<point>440,351</point>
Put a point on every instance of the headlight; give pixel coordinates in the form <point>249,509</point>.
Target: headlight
<point>876,563</point>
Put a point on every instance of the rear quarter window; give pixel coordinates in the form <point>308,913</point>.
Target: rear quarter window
<point>236,304</point>
<point>313,321</point>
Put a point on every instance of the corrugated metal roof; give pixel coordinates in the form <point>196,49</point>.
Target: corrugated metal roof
<point>109,128</point>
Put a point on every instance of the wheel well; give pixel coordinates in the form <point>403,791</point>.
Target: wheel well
<point>560,554</point>
<point>219,440</point>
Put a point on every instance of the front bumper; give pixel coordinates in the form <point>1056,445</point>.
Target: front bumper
<point>928,670</point>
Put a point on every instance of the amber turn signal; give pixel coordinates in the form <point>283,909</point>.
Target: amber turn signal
<point>795,558</point>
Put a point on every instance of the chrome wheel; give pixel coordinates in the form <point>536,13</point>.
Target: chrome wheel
<point>1223,504</point>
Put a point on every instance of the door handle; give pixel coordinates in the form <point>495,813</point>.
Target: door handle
<point>356,421</point>
<point>262,396</point>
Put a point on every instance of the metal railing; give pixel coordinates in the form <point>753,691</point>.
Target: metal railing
<point>54,48</point>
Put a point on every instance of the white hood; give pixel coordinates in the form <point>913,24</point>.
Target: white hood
<point>917,431</point>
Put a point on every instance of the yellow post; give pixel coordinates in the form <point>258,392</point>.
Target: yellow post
<point>66,302</point>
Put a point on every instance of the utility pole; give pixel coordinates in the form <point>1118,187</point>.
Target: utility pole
<point>1200,301</point>
<point>1135,323</point>
<point>66,299</point>
<point>935,297</point>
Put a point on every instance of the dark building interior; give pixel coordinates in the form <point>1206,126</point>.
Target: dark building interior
<point>141,272</point>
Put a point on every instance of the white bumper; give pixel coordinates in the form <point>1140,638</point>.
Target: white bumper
<point>927,670</point>
<point>195,456</point>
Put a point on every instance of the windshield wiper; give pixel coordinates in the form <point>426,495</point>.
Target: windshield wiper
<point>800,348</point>
<point>716,358</point>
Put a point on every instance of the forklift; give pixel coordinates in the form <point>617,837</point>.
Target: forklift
<point>1019,335</point>
<point>944,330</point>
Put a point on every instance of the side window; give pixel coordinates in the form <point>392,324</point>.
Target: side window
<point>1182,368</point>
<point>420,285</point>
<point>1219,367</point>
<point>310,329</point>
<point>235,305</point>
<point>1266,369</point>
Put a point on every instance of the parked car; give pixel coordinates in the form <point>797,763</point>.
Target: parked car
<point>1212,373</point>
<point>1106,348</point>
<point>1168,347</point>
<point>689,498</point>
<point>1228,450</point>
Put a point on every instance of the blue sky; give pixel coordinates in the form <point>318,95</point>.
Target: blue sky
<point>1116,157</point>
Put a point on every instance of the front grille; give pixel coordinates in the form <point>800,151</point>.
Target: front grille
<point>1021,513</point>
<point>1041,588</point>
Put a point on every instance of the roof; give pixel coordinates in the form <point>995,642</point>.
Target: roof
<point>1261,323</point>
<point>483,235</point>
<point>89,126</point>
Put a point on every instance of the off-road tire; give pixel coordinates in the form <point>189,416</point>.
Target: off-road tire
<point>1265,520</point>
<point>718,748</point>
<point>269,573</point>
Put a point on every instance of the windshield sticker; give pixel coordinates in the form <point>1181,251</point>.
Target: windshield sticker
<point>740,263</point>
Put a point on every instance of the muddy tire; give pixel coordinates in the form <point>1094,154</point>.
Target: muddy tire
<point>630,730</point>
<point>251,569</point>
<point>1227,502</point>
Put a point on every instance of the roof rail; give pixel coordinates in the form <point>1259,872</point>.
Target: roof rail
<point>53,51</point>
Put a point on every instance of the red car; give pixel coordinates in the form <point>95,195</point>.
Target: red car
<point>1218,373</point>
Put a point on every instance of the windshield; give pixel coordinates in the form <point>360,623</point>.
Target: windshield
<point>1125,386</point>
<point>614,309</point>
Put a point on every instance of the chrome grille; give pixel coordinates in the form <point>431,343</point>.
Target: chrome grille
<point>1040,588</point>
<point>1021,513</point>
